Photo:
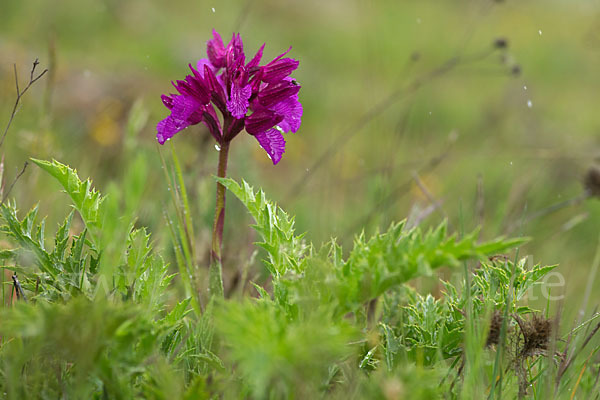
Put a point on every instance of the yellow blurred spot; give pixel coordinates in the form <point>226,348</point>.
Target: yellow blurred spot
<point>104,126</point>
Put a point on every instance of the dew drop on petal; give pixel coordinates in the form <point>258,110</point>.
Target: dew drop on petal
<point>529,103</point>
<point>217,147</point>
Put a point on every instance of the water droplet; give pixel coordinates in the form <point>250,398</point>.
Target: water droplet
<point>525,87</point>
<point>529,103</point>
<point>540,32</point>
<point>213,9</point>
<point>511,163</point>
<point>279,128</point>
<point>217,147</point>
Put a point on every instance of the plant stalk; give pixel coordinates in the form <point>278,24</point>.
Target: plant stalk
<point>216,264</point>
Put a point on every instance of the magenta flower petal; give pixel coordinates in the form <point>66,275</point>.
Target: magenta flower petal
<point>204,62</point>
<point>279,68</point>
<point>238,101</point>
<point>235,52</point>
<point>167,128</point>
<point>262,120</point>
<point>217,91</point>
<point>216,50</point>
<point>194,87</point>
<point>210,119</point>
<point>291,109</point>
<point>282,54</point>
<point>273,143</point>
<point>184,112</point>
<point>256,59</point>
<point>236,127</point>
<point>167,101</point>
<point>276,92</point>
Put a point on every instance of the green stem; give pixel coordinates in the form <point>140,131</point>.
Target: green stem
<point>216,264</point>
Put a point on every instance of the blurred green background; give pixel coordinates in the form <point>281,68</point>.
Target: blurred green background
<point>407,105</point>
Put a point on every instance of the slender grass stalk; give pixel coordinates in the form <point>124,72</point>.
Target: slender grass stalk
<point>181,239</point>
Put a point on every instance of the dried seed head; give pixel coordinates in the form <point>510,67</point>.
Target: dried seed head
<point>495,328</point>
<point>536,334</point>
<point>592,181</point>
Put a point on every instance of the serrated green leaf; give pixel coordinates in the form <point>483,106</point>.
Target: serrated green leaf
<point>86,200</point>
<point>261,292</point>
<point>276,228</point>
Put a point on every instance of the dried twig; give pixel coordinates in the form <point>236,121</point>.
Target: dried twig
<point>5,196</point>
<point>32,80</point>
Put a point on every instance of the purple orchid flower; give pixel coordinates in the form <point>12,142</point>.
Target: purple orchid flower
<point>263,100</point>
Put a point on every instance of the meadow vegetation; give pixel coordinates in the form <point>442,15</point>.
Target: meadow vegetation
<point>431,231</point>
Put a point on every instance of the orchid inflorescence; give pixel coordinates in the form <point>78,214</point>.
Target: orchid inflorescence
<point>263,100</point>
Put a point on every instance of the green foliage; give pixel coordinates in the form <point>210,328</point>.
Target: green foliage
<point>424,328</point>
<point>284,248</point>
<point>121,316</point>
<point>374,266</point>
<point>326,324</point>
<point>86,200</point>
<point>68,270</point>
<point>182,229</point>
<point>72,267</point>
<point>493,281</point>
<point>80,349</point>
<point>143,277</point>
<point>279,357</point>
<point>399,255</point>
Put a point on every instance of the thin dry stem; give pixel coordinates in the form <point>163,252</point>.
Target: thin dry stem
<point>5,195</point>
<point>32,80</point>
